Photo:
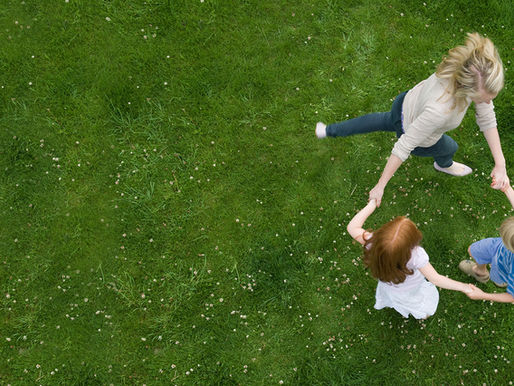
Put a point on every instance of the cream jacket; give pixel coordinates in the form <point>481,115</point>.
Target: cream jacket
<point>427,115</point>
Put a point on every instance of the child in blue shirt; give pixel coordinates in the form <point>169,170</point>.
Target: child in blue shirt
<point>499,252</point>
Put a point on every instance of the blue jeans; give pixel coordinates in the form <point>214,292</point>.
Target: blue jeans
<point>442,151</point>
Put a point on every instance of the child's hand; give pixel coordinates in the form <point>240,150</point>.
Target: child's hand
<point>476,293</point>
<point>376,194</point>
<point>468,289</point>
<point>498,186</point>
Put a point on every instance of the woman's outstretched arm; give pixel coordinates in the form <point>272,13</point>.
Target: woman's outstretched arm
<point>392,165</point>
<point>499,172</point>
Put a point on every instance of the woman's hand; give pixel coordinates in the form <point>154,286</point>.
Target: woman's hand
<point>476,293</point>
<point>500,178</point>
<point>376,194</point>
<point>392,165</point>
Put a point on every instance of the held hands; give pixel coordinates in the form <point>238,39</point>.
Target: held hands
<point>372,205</point>
<point>376,194</point>
<point>475,293</point>
<point>507,189</point>
<point>467,288</point>
<point>500,179</point>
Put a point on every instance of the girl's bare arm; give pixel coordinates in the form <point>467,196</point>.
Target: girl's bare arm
<point>442,281</point>
<point>355,226</point>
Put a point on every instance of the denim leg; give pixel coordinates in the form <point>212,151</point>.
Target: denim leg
<point>442,151</point>
<point>361,125</point>
<point>387,121</point>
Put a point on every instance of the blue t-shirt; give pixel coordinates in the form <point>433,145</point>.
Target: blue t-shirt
<point>505,268</point>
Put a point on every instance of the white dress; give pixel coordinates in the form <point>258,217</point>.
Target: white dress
<point>415,295</point>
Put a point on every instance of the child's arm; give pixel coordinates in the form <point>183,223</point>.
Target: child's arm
<point>478,294</point>
<point>509,192</point>
<point>442,281</point>
<point>355,226</point>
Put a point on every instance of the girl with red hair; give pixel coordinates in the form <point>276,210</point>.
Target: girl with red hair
<point>395,257</point>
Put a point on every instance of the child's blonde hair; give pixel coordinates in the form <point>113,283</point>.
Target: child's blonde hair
<point>507,233</point>
<point>387,252</point>
<point>470,68</point>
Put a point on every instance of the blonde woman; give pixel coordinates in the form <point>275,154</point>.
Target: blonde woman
<point>421,116</point>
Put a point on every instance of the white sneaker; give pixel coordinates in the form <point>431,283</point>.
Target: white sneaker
<point>321,130</point>
<point>457,169</point>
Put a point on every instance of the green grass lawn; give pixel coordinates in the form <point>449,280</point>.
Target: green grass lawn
<point>168,216</point>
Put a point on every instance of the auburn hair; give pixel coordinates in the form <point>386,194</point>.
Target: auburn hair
<point>388,250</point>
<point>470,68</point>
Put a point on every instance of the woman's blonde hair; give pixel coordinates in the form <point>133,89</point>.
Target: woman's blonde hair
<point>507,233</point>
<point>388,250</point>
<point>470,68</point>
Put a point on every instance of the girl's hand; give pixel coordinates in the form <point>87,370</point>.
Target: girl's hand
<point>476,293</point>
<point>500,178</point>
<point>376,194</point>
